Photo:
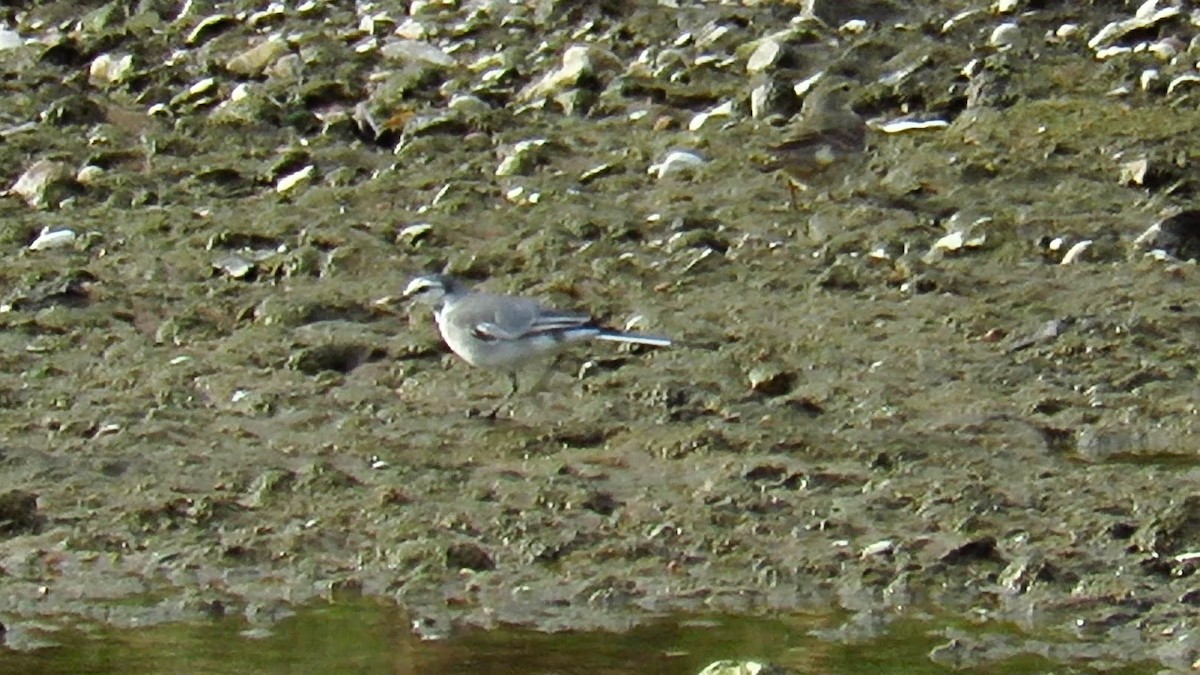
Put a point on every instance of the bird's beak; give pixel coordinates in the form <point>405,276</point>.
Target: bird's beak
<point>410,292</point>
<point>387,304</point>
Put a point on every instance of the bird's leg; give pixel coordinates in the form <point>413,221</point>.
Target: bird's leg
<point>541,381</point>
<point>512,380</point>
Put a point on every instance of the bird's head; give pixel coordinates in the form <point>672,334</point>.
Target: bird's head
<point>833,94</point>
<point>432,289</point>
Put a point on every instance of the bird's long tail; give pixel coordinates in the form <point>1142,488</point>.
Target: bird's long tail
<point>634,338</point>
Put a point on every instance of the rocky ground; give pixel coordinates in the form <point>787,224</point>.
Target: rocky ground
<point>959,373</point>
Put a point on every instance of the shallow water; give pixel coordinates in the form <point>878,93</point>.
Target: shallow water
<point>373,637</point>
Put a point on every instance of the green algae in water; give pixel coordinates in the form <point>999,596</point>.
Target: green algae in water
<point>373,637</point>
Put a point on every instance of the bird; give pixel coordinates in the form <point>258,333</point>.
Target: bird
<point>506,332</point>
<point>827,133</point>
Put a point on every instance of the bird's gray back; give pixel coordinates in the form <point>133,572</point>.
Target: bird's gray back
<point>510,314</point>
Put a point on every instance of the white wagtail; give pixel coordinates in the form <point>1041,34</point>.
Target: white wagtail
<point>505,332</point>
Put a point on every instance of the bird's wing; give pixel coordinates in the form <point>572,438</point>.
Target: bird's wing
<point>490,332</point>
<point>844,135</point>
<point>550,320</point>
<point>503,317</point>
<point>808,149</point>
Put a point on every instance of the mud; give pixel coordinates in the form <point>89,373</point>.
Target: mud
<point>985,431</point>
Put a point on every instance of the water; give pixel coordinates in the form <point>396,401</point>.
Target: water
<point>371,637</point>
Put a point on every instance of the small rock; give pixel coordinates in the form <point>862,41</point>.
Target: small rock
<point>773,99</point>
<point>597,172</point>
<point>10,39</point>
<point>107,70</point>
<point>40,180</point>
<point>411,29</point>
<point>885,547</point>
<point>1134,173</point>
<point>1188,78</point>
<point>209,27</point>
<point>1047,332</point>
<point>574,101</point>
<point>471,106</point>
<point>1147,16</point>
<point>740,667</point>
<point>234,266</point>
<point>89,175</point>
<point>411,234</point>
<point>769,52</point>
<point>1006,36</point>
<point>203,92</point>
<point>521,158</point>
<point>853,27</point>
<point>676,161</point>
<point>434,123</point>
<point>899,126</point>
<point>724,110</point>
<point>416,51</point>
<point>248,105</point>
<point>287,68</point>
<point>579,62</point>
<point>1075,253</point>
<point>255,61</point>
<point>950,242</point>
<point>295,179</point>
<point>48,239</point>
<point>965,232</point>
<point>272,12</point>
<point>771,380</point>
<point>1166,49</point>
<point>1023,572</point>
